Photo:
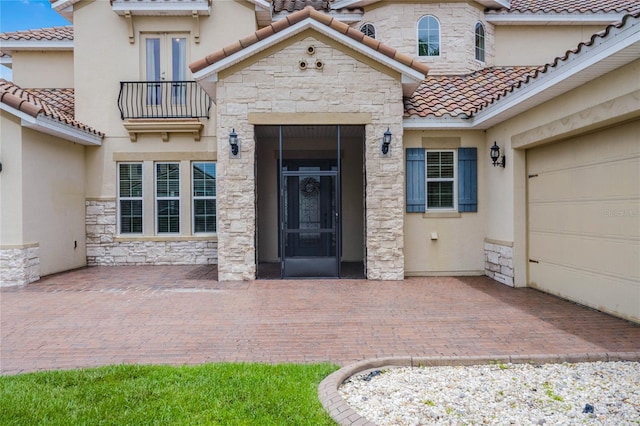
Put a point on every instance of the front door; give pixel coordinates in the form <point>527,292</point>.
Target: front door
<point>310,218</point>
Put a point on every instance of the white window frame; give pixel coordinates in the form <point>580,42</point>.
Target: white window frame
<point>121,198</point>
<point>483,49</point>
<point>167,198</point>
<point>370,25</point>
<point>454,207</point>
<point>202,197</point>
<point>439,37</point>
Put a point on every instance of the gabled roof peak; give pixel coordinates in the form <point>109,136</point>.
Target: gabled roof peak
<point>321,18</point>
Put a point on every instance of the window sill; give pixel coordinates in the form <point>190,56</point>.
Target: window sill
<point>442,215</point>
<point>161,238</point>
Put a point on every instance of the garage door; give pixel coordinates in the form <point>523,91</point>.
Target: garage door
<point>584,219</point>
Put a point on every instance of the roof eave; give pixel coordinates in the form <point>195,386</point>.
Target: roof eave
<point>345,4</point>
<point>516,18</point>
<point>165,9</point>
<point>6,61</point>
<point>8,46</point>
<point>64,8</point>
<point>50,126</point>
<point>207,77</point>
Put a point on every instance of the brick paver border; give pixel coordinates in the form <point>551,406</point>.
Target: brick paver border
<point>344,415</point>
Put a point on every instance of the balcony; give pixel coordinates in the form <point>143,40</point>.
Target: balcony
<point>163,107</point>
<point>162,99</point>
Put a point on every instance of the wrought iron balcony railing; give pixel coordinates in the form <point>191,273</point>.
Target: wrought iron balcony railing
<point>163,99</point>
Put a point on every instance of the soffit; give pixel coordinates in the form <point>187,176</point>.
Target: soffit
<point>161,7</point>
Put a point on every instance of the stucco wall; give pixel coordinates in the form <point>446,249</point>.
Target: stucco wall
<point>98,76</point>
<point>11,192</point>
<point>43,69</point>
<point>42,183</point>
<point>104,56</point>
<point>53,185</point>
<point>274,83</point>
<point>459,248</point>
<point>396,26</point>
<point>537,45</point>
<point>598,103</point>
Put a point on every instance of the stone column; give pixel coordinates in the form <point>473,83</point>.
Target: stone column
<point>385,204</point>
<point>236,198</point>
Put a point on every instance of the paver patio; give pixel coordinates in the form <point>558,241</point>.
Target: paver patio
<point>182,315</point>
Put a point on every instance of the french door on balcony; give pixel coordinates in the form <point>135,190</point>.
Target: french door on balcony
<point>165,60</point>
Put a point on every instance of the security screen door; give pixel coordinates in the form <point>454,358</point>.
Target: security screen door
<point>310,217</point>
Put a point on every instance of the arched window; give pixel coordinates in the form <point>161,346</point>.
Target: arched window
<point>368,30</point>
<point>480,50</point>
<point>428,36</point>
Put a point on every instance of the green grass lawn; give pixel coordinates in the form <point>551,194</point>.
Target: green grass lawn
<point>212,394</point>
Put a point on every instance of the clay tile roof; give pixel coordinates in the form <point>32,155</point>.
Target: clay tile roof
<point>292,19</point>
<point>294,5</point>
<point>571,6</point>
<point>57,104</point>
<point>464,95</point>
<point>43,34</point>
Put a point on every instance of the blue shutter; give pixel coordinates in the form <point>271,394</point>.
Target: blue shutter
<point>467,179</point>
<point>415,180</point>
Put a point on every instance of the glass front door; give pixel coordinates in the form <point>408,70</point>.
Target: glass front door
<point>310,218</point>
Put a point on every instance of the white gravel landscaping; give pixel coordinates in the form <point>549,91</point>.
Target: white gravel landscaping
<point>596,393</point>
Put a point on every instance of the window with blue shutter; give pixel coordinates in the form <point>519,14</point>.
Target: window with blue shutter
<point>415,180</point>
<point>467,185</point>
<point>467,179</point>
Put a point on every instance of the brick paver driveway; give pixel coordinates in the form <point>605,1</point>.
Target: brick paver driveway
<point>182,315</point>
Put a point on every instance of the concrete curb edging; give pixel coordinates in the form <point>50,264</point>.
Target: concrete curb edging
<point>344,415</point>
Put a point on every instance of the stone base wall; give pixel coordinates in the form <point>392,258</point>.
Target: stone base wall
<point>104,248</point>
<point>19,266</point>
<point>499,261</point>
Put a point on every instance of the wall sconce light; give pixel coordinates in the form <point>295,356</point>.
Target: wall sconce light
<point>233,142</point>
<point>495,156</point>
<point>386,141</point>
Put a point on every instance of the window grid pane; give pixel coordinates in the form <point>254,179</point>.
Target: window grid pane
<point>428,37</point>
<point>168,197</point>
<point>440,176</point>
<point>130,198</point>
<point>204,197</point>
<point>480,41</point>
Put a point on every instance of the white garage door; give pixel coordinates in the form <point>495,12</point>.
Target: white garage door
<point>584,219</point>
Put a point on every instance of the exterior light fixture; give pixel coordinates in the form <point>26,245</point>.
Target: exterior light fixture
<point>386,141</point>
<point>233,142</point>
<point>495,156</point>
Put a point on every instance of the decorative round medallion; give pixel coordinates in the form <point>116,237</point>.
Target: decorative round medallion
<point>309,187</point>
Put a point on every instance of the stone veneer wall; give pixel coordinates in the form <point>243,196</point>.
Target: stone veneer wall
<point>19,265</point>
<point>499,261</point>
<point>276,84</point>
<point>103,247</point>
<point>396,25</point>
